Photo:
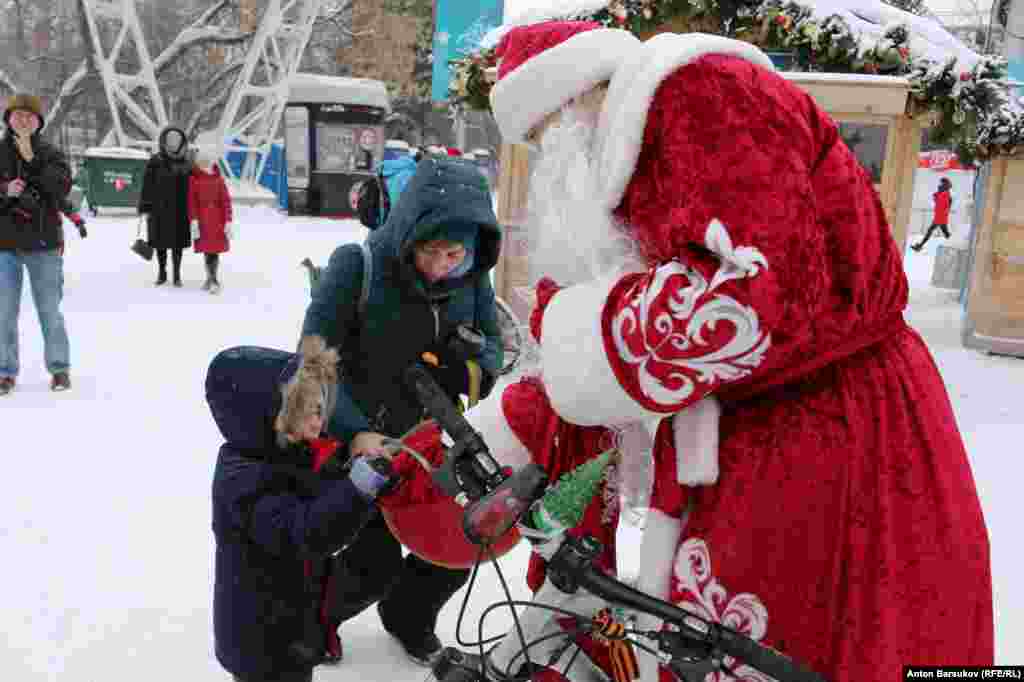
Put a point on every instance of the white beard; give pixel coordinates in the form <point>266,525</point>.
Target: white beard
<point>571,238</point>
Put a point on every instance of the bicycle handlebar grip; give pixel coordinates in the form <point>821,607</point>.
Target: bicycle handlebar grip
<point>730,642</point>
<point>763,658</point>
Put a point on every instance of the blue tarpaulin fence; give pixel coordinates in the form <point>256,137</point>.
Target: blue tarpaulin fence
<point>275,172</point>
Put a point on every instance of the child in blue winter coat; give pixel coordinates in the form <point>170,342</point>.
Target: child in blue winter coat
<point>284,501</point>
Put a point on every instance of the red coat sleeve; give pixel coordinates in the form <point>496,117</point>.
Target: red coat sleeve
<point>767,249</point>
<point>943,202</point>
<point>226,201</point>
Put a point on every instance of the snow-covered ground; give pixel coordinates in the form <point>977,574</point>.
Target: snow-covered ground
<point>105,542</point>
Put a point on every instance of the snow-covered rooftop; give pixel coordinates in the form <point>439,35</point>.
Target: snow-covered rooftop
<point>867,19</point>
<point>317,89</point>
<point>116,153</point>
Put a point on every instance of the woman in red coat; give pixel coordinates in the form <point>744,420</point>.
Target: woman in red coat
<point>209,213</point>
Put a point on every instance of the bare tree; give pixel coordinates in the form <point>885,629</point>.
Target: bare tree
<point>198,51</point>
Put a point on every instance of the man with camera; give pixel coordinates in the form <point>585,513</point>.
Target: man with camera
<point>34,180</point>
<point>422,292</point>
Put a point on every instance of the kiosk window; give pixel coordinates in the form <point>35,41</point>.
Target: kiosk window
<point>867,141</point>
<point>296,135</point>
<point>336,147</point>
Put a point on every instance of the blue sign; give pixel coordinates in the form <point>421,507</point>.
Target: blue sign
<point>460,24</point>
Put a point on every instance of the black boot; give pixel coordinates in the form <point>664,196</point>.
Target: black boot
<point>176,260</point>
<point>212,268</point>
<point>161,261</point>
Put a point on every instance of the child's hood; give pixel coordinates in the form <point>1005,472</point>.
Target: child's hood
<point>243,390</point>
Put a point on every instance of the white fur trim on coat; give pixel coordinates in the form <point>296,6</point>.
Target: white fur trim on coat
<point>488,418</point>
<point>658,557</point>
<point>581,384</point>
<point>544,83</point>
<point>695,434</point>
<point>620,132</point>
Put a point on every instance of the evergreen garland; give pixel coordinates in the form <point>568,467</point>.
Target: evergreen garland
<point>977,114</point>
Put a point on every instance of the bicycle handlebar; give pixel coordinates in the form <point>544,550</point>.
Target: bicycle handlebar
<point>572,567</point>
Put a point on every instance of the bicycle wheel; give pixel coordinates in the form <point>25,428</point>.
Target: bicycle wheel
<point>511,335</point>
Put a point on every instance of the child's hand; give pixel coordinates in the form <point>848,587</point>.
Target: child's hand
<point>373,476</point>
<point>368,443</point>
<point>229,231</point>
<point>194,225</point>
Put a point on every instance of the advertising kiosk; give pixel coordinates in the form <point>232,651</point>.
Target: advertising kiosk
<point>334,139</point>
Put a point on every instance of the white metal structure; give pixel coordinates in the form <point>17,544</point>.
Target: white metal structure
<point>146,109</point>
<point>258,99</point>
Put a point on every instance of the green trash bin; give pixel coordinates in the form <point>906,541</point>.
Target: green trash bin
<point>112,176</point>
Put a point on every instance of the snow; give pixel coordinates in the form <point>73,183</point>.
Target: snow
<point>868,19</point>
<point>541,10</point>
<point>117,153</point>
<point>106,540</point>
<point>250,193</point>
<point>308,88</point>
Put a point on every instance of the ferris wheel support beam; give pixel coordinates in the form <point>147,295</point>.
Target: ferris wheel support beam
<point>254,109</point>
<point>145,110</point>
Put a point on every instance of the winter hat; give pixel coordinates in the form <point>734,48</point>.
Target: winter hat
<point>24,102</point>
<point>543,66</point>
<point>620,132</point>
<point>308,382</point>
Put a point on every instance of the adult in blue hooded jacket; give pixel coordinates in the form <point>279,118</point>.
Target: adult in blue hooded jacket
<point>429,275</point>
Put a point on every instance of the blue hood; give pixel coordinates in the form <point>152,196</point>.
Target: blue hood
<point>442,191</point>
<point>243,390</point>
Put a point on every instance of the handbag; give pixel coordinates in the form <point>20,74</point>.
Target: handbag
<point>140,245</point>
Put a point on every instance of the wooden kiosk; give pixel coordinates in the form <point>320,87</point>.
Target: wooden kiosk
<point>877,110</point>
<point>994,310</point>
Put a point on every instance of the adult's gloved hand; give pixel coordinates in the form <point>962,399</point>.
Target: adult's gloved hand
<point>373,476</point>
<point>79,222</point>
<point>14,188</point>
<point>450,372</point>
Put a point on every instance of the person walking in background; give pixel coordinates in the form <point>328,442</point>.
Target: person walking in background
<point>34,180</point>
<point>209,213</point>
<point>940,219</point>
<point>164,201</point>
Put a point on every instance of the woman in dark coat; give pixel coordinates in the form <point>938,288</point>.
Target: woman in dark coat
<point>164,200</point>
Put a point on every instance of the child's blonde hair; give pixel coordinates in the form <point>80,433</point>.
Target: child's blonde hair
<point>312,386</point>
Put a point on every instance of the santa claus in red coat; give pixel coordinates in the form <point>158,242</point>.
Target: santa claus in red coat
<point>715,264</point>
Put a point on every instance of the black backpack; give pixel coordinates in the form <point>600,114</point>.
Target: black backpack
<point>372,204</point>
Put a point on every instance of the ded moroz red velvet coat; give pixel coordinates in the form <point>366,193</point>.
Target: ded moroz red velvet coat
<point>210,203</point>
<point>840,522</point>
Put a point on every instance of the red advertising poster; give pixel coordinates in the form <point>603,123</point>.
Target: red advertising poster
<point>941,160</point>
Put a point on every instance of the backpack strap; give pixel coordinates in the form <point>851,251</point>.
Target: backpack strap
<point>364,294</point>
